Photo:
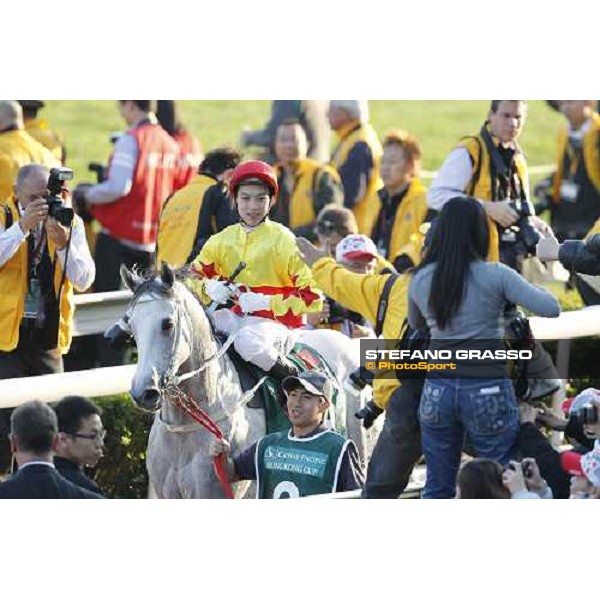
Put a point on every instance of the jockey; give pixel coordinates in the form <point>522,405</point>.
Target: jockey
<point>273,291</point>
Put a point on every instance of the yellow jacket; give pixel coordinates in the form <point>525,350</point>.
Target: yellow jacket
<point>367,207</point>
<point>591,156</point>
<point>304,203</point>
<point>480,185</point>
<point>361,293</point>
<point>17,149</point>
<point>273,267</point>
<point>40,130</point>
<point>405,237</point>
<point>13,289</point>
<point>179,221</point>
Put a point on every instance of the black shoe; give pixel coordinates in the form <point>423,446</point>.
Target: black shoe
<point>284,368</point>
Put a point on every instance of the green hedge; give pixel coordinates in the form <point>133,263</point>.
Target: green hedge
<point>122,471</point>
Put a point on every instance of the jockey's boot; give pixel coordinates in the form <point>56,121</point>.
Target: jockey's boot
<point>280,370</point>
<point>284,368</point>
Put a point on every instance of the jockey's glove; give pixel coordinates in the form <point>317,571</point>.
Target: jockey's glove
<point>218,291</point>
<point>252,302</point>
<point>368,414</point>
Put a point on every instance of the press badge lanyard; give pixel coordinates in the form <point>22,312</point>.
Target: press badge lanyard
<point>34,308</point>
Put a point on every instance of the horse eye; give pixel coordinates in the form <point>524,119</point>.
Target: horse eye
<point>167,324</point>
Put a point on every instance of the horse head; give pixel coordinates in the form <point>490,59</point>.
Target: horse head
<point>159,320</point>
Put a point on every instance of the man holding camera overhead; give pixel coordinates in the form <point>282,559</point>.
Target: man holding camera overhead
<point>43,257</point>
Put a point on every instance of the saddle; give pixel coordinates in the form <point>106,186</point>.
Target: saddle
<point>268,395</point>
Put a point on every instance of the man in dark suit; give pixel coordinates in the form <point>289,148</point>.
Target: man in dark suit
<point>80,440</point>
<point>33,439</point>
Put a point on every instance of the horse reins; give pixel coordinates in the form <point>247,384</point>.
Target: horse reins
<point>169,383</point>
<point>182,401</point>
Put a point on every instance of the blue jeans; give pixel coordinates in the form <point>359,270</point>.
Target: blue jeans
<point>484,409</point>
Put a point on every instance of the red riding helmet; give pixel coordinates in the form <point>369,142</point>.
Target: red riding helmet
<point>253,170</point>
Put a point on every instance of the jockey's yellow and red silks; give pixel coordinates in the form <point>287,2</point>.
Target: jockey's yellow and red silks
<point>273,267</point>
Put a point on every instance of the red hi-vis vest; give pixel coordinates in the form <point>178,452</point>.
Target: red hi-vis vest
<point>134,217</point>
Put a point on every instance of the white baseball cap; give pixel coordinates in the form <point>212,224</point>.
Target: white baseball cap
<point>355,247</point>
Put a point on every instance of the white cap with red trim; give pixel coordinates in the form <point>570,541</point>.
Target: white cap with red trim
<point>355,247</point>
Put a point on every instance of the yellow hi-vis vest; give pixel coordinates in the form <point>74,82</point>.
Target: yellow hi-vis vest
<point>367,208</point>
<point>18,148</point>
<point>40,130</point>
<point>179,221</point>
<point>406,237</point>
<point>591,159</point>
<point>591,156</point>
<point>13,289</point>
<point>306,180</point>
<point>480,185</point>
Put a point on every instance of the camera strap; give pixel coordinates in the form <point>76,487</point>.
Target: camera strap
<point>384,303</point>
<point>508,175</point>
<point>64,270</point>
<point>8,218</point>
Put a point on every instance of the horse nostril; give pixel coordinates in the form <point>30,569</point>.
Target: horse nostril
<point>150,397</point>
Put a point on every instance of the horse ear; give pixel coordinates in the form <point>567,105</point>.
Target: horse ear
<point>166,275</point>
<point>130,279</point>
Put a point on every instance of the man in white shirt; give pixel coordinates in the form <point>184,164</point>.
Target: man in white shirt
<point>491,167</point>
<point>41,261</point>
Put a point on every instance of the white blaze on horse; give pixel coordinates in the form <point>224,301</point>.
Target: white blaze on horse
<point>178,356</point>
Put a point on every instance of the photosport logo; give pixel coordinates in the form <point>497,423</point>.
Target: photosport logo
<point>447,358</point>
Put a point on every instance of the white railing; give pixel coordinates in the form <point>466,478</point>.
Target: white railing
<point>94,313</point>
<point>117,380</point>
<point>51,388</point>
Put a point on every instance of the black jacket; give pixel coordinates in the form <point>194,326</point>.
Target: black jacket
<point>40,481</point>
<point>581,257</point>
<point>534,444</point>
<point>71,471</point>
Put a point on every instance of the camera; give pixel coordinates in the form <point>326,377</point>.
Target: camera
<point>587,415</point>
<point>526,235</point>
<point>518,332</point>
<point>525,467</point>
<point>56,207</point>
<point>99,170</point>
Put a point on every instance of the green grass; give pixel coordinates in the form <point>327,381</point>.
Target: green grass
<point>438,124</point>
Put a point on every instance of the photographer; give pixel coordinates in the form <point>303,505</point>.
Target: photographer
<point>42,258</point>
<point>575,191</point>
<point>491,167</point>
<point>581,428</point>
<point>485,479</point>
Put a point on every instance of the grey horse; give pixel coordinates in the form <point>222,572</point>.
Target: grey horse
<point>176,345</point>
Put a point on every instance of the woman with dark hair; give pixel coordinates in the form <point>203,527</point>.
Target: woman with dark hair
<point>190,150</point>
<point>481,479</point>
<point>462,299</point>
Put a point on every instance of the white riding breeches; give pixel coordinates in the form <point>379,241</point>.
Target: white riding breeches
<point>259,341</point>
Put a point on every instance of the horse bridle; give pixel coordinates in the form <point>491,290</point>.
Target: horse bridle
<point>169,382</point>
<point>170,378</point>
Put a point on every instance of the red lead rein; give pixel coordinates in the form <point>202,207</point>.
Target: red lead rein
<point>203,419</point>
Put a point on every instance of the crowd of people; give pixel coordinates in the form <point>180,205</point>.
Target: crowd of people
<point>352,241</point>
